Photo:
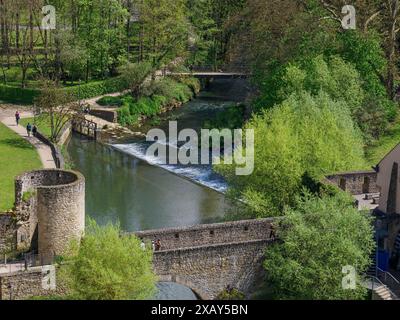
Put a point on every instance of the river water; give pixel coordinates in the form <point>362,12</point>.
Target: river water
<point>124,185</point>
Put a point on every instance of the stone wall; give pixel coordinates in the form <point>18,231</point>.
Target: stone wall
<point>209,270</point>
<point>219,233</point>
<point>356,183</point>
<point>209,258</point>
<point>26,284</point>
<point>108,115</point>
<point>8,233</point>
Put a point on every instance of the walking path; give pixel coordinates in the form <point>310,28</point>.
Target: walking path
<point>44,151</point>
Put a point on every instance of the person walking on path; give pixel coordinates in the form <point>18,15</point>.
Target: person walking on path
<point>17,117</point>
<point>34,130</point>
<point>29,129</point>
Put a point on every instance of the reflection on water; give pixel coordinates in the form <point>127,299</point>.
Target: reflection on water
<point>174,291</point>
<point>122,188</point>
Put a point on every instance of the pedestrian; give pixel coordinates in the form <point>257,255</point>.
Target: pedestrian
<point>143,245</point>
<point>17,117</point>
<point>158,245</point>
<point>153,245</point>
<point>34,130</point>
<point>29,129</point>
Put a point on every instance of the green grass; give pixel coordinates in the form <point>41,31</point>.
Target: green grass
<point>42,123</point>
<point>376,152</point>
<point>16,156</point>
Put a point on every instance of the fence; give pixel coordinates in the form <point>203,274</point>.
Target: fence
<point>28,260</point>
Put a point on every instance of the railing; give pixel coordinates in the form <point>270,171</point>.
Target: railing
<point>389,280</point>
<point>28,261</point>
<point>376,284</point>
<point>85,127</point>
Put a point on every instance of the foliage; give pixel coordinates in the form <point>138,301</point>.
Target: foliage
<point>231,117</point>
<point>110,101</point>
<point>131,109</point>
<point>134,76</point>
<point>319,238</point>
<point>96,88</point>
<point>107,266</point>
<point>17,95</point>
<point>16,157</point>
<point>231,294</point>
<point>56,104</point>
<point>304,134</point>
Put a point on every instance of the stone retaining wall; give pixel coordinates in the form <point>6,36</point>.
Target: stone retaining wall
<point>8,233</point>
<point>219,233</point>
<point>108,115</point>
<point>26,284</point>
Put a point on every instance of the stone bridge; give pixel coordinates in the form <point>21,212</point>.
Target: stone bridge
<point>209,258</point>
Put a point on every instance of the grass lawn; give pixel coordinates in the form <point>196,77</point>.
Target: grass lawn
<point>384,145</point>
<point>16,156</point>
<point>42,123</point>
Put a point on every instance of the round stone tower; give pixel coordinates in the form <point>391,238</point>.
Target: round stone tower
<point>58,208</point>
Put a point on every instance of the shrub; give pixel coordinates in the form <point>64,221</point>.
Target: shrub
<point>108,266</point>
<point>110,101</point>
<point>160,94</point>
<point>17,95</point>
<point>97,88</point>
<point>304,134</point>
<point>320,237</point>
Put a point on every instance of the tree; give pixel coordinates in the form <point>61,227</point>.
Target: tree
<point>165,30</point>
<point>58,105</point>
<point>303,135</point>
<point>134,75</point>
<point>108,266</point>
<point>318,239</point>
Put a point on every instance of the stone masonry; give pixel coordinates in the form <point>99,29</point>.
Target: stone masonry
<point>209,258</point>
<point>50,209</point>
<point>356,183</point>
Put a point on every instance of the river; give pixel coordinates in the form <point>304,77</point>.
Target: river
<point>124,185</point>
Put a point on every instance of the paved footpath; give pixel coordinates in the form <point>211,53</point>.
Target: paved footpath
<point>43,150</point>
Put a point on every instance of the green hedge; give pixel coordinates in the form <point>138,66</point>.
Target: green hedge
<point>17,95</point>
<point>89,90</point>
<point>98,88</point>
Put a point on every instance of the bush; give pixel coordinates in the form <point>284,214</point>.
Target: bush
<point>304,134</point>
<point>108,266</point>
<point>110,101</point>
<point>17,95</point>
<point>160,94</point>
<point>318,238</point>
<point>98,88</point>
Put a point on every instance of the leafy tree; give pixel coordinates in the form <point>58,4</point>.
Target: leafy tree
<point>304,134</point>
<point>57,105</point>
<point>135,74</point>
<point>107,266</point>
<point>319,238</point>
